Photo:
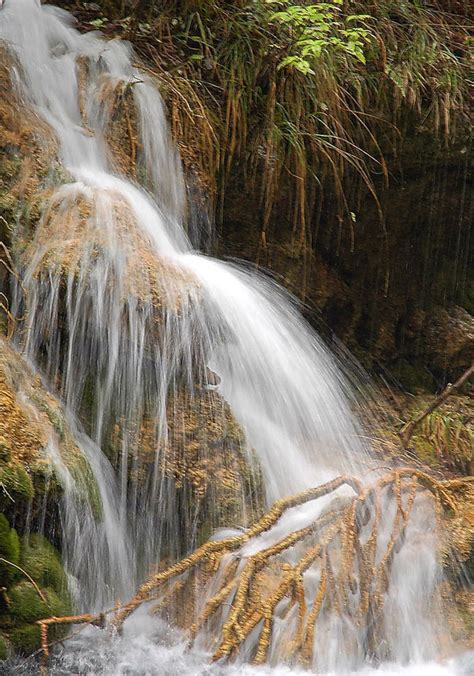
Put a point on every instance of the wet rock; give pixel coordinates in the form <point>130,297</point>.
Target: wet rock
<point>449,335</point>
<point>27,605</point>
<point>29,418</point>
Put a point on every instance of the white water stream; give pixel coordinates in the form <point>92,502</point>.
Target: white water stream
<point>281,384</point>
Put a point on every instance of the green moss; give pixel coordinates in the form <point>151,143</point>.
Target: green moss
<point>26,605</point>
<point>46,481</point>
<point>31,213</point>
<point>3,648</point>
<point>8,206</point>
<point>9,166</point>
<point>52,410</point>
<point>6,621</point>
<point>5,450</point>
<point>9,550</point>
<point>26,638</point>
<point>4,534</point>
<point>72,456</point>
<point>14,547</point>
<point>413,377</point>
<point>41,560</point>
<point>425,451</point>
<point>85,481</point>
<point>15,480</point>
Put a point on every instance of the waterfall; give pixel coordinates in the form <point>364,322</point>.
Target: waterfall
<point>129,326</point>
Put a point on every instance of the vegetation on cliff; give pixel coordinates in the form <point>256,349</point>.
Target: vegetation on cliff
<point>331,141</point>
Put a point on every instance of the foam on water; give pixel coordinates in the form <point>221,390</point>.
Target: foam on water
<point>151,649</point>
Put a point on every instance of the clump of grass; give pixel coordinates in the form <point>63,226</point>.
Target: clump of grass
<point>450,433</point>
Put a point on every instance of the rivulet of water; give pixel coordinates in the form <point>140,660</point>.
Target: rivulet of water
<point>123,317</point>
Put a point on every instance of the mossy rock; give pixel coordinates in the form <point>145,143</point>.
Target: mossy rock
<point>4,648</point>
<point>26,608</point>
<point>86,483</point>
<point>8,206</point>
<point>15,480</point>
<point>46,482</point>
<point>26,605</point>
<point>26,470</point>
<point>26,639</point>
<point>41,560</point>
<point>425,451</point>
<point>15,546</point>
<point>413,377</point>
<point>9,550</point>
<point>76,463</point>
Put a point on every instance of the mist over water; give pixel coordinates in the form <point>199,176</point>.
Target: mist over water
<point>95,326</point>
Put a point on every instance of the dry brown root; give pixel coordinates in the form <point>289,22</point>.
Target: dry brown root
<point>95,620</point>
<point>217,548</point>
<point>342,545</point>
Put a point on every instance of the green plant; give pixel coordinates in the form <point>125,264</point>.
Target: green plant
<point>318,30</point>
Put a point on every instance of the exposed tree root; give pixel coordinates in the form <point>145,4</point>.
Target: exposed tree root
<point>95,620</point>
<point>342,546</point>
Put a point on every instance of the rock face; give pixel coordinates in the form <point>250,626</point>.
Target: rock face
<point>30,417</point>
<point>28,152</point>
<point>31,572</point>
<point>23,437</point>
<point>383,292</point>
<point>449,336</point>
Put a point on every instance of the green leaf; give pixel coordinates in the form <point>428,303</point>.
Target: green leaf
<point>358,17</point>
<point>98,23</point>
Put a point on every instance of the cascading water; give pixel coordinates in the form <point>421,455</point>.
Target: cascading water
<point>129,325</point>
